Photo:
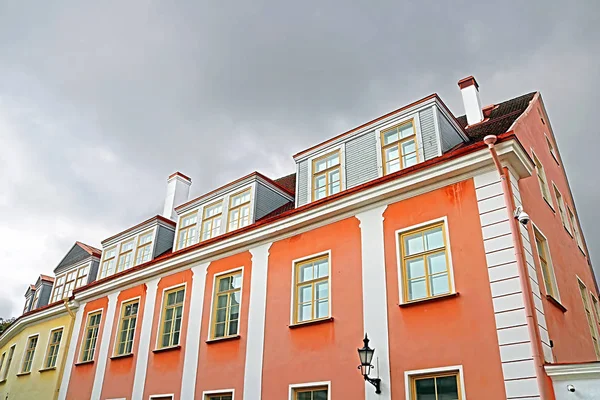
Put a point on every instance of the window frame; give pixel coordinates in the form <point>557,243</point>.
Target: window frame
<point>121,253</point>
<point>382,131</point>
<point>159,396</point>
<point>595,307</point>
<point>28,305</point>
<point>403,119</point>
<point>198,226</point>
<point>102,272</point>
<point>293,388</point>
<point>589,314</point>
<point>49,345</point>
<point>212,220</point>
<point>223,392</point>
<point>411,376</point>
<point>174,288</point>
<point>340,166</point>
<point>542,182</point>
<point>239,207</point>
<point>555,290</point>
<point>26,352</point>
<point>8,360</point>
<point>36,298</point>
<point>82,350</point>
<point>294,305</point>
<point>562,211</point>
<point>138,246</point>
<point>212,319</point>
<point>123,304</point>
<point>552,149</point>
<point>576,229</point>
<point>403,293</point>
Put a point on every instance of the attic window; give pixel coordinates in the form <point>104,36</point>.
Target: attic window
<point>326,175</point>
<point>239,210</point>
<point>399,147</point>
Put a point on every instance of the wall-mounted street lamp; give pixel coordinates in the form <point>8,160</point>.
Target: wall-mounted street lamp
<point>366,356</point>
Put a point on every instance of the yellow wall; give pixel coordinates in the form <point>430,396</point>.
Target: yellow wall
<point>35,385</point>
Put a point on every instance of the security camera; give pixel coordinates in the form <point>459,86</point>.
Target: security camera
<point>571,388</point>
<point>522,216</point>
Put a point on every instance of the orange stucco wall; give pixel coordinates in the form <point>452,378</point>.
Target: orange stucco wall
<point>221,363</point>
<point>451,331</point>
<point>568,330</point>
<point>119,374</point>
<point>82,375</point>
<point>165,367</point>
<point>313,353</point>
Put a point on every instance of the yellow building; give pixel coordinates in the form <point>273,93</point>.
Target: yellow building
<point>33,352</point>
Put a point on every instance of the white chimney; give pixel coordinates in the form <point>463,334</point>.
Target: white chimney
<point>178,192</point>
<point>470,95</point>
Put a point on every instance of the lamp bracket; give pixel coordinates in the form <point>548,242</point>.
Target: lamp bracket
<point>375,382</point>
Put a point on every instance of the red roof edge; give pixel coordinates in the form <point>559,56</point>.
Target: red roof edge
<point>468,81</point>
<point>89,249</point>
<point>46,278</point>
<point>181,175</point>
<point>156,217</point>
<point>414,103</point>
<point>457,152</point>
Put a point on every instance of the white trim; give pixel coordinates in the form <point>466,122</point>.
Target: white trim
<point>194,328</point>
<point>212,302</point>
<point>568,370</point>
<point>293,292</point>
<point>454,368</point>
<point>20,369</point>
<point>71,354</point>
<point>414,184</point>
<point>397,234</point>
<point>104,345</point>
<point>87,316</point>
<point>538,230</point>
<point>141,364</point>
<point>220,391</point>
<point>48,345</point>
<point>4,375</point>
<point>158,396</point>
<point>117,331</point>
<point>255,336</point>
<point>162,308</point>
<point>295,386</point>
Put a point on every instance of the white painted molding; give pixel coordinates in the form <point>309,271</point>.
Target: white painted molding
<point>104,345</point>
<point>143,350</point>
<point>256,322</point>
<point>375,297</point>
<point>571,370</point>
<point>192,346</point>
<point>64,385</point>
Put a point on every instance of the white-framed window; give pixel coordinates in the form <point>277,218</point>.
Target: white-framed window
<point>425,261</point>
<point>310,391</point>
<point>82,276</point>
<point>225,394</point>
<point>30,347</point>
<point>143,253</point>
<point>88,347</point>
<point>27,304</point>
<point>545,260</point>
<point>551,148</point>
<point>211,220</point>
<point>542,180</point>
<point>108,262</point>
<point>589,317</point>
<point>560,203</point>
<point>126,255</point>
<point>11,353</point>
<point>53,347</point>
<point>326,175</point>
<point>126,327</point>
<point>57,292</point>
<point>187,233</point>
<point>162,397</point>
<point>575,227</point>
<point>239,210</point>
<point>311,291</point>
<point>171,317</point>
<point>435,384</point>
<point>227,301</point>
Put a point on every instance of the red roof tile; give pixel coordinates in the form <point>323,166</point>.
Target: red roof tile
<point>157,217</point>
<point>92,251</point>
<point>47,278</point>
<point>288,182</point>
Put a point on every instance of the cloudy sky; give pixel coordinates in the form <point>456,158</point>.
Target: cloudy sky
<point>101,101</point>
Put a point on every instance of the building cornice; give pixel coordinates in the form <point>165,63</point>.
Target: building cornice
<point>147,224</point>
<point>438,173</point>
<point>569,370</point>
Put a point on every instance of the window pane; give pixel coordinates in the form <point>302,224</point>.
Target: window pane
<point>320,395</point>
<point>409,147</point>
<point>305,294</point>
<point>447,388</point>
<point>390,136</point>
<point>425,389</point>
<point>406,130</point>
<point>320,193</point>
<point>222,301</point>
<point>417,289</point>
<point>304,396</point>
<point>393,166</point>
<point>220,330</point>
<point>233,326</point>
<point>322,268</point>
<point>409,160</point>
<point>415,268</point>
<point>436,263</point>
<point>306,272</point>
<point>320,181</point>
<point>237,281</point>
<point>322,290</point>
<point>320,165</point>
<point>322,309</point>
<point>221,315</point>
<point>434,238</point>
<point>439,284</point>
<point>413,244</point>
<point>225,284</point>
<point>391,153</point>
<point>304,313</point>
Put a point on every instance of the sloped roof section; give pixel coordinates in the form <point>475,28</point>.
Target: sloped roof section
<point>91,250</point>
<point>287,182</point>
<point>500,118</point>
<point>79,252</point>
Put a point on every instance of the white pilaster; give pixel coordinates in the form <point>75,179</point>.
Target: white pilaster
<point>141,364</point>
<point>256,322</point>
<point>192,347</point>
<point>104,345</point>
<point>374,294</point>
<point>64,385</point>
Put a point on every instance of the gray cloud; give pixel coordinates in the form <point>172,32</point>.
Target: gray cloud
<point>99,103</point>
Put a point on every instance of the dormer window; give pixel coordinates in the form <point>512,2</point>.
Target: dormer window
<point>188,230</point>
<point>36,298</point>
<point>144,248</point>
<point>82,276</point>
<point>58,288</point>
<point>211,222</point>
<point>399,147</point>
<point>326,175</point>
<point>108,265</point>
<point>70,284</point>
<point>239,210</point>
<point>125,256</point>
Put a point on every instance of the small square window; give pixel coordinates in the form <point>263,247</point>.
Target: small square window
<point>443,386</point>
<point>311,393</point>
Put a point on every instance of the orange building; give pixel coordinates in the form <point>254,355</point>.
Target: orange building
<point>461,258</point>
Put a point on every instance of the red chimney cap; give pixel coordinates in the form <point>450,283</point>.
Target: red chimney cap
<point>468,81</point>
<point>187,178</point>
